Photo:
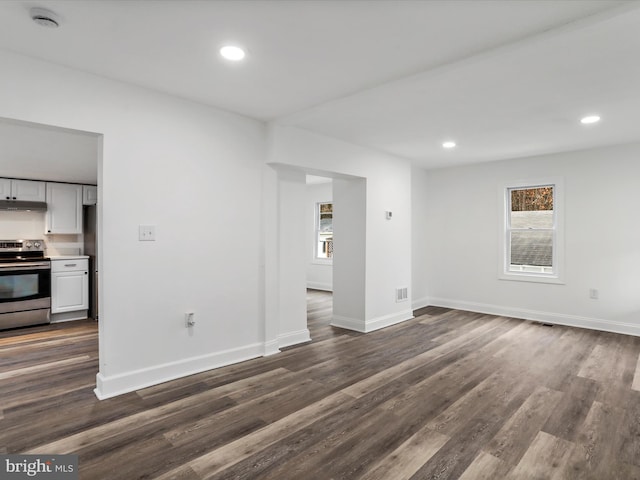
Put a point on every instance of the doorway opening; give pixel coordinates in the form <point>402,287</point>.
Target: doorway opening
<point>319,313</point>
<point>319,245</point>
<point>60,165</point>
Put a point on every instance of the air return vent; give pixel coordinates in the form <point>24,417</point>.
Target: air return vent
<point>402,294</point>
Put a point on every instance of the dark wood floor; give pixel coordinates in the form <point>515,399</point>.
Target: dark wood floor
<point>447,395</point>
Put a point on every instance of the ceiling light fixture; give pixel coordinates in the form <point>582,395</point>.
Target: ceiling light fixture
<point>44,17</point>
<point>590,119</point>
<point>232,52</point>
<point>448,144</point>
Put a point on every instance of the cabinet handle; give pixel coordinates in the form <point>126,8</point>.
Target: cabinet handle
<point>70,264</point>
<point>14,198</point>
<point>8,198</point>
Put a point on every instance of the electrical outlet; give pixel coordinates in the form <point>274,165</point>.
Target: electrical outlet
<point>147,233</point>
<point>593,293</point>
<point>189,319</point>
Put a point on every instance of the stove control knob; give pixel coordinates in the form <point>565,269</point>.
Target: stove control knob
<point>28,244</point>
<point>37,244</point>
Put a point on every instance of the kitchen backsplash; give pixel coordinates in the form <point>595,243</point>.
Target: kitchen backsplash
<point>31,225</point>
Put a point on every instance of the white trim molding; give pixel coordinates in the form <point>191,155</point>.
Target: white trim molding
<point>420,303</point>
<point>294,338</point>
<point>111,386</point>
<point>366,326</point>
<point>540,316</point>
<point>271,347</point>
<point>348,323</point>
<point>388,320</point>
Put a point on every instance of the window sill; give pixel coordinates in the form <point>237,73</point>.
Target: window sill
<point>531,277</point>
<point>319,261</point>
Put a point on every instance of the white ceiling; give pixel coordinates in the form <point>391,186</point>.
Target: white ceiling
<point>504,78</point>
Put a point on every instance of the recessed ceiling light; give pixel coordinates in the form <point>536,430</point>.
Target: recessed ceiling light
<point>232,52</point>
<point>590,119</point>
<point>448,144</point>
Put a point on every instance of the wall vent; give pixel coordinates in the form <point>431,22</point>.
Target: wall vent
<point>402,294</point>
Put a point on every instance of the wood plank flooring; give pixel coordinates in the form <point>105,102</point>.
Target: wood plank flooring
<point>449,394</point>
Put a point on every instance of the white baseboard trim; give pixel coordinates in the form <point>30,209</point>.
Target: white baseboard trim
<point>111,386</point>
<point>348,323</point>
<point>294,338</point>
<point>69,316</point>
<point>327,287</point>
<point>420,303</point>
<point>271,347</point>
<point>366,326</point>
<point>539,316</point>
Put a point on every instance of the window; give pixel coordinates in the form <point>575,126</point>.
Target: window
<point>324,231</point>
<point>532,246</point>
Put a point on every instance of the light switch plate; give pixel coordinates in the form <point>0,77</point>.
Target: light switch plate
<point>147,233</point>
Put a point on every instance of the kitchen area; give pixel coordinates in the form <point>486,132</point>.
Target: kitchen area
<point>48,226</point>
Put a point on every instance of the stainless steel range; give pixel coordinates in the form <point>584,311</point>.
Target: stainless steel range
<point>25,284</point>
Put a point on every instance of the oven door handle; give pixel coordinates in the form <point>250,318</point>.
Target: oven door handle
<point>24,266</point>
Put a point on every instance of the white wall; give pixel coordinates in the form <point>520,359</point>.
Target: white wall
<point>388,187</point>
<point>292,304</point>
<point>194,172</point>
<point>319,273</point>
<point>602,239</point>
<point>349,253</point>
<point>421,233</point>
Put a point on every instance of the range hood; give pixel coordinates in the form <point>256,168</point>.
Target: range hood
<point>23,205</point>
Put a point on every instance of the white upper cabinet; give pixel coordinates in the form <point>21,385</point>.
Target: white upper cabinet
<point>64,208</point>
<point>89,194</point>
<point>28,190</point>
<point>5,189</point>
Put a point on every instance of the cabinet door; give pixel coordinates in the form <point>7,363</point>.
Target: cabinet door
<point>5,189</point>
<point>64,208</point>
<point>89,194</point>
<point>69,291</point>
<point>28,190</point>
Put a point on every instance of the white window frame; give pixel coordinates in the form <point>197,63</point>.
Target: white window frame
<point>316,259</point>
<point>557,275</point>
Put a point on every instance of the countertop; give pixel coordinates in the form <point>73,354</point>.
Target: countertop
<point>67,257</point>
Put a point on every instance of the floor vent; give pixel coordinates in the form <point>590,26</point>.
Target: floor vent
<point>544,324</point>
<point>402,294</point>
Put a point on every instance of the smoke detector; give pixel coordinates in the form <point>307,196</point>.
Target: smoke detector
<point>44,17</point>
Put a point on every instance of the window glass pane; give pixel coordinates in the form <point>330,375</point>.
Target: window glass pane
<point>324,247</point>
<point>531,247</point>
<point>326,207</point>
<point>532,207</point>
<point>326,222</point>
<point>533,233</point>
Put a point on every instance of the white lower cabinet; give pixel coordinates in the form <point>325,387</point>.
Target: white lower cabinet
<point>69,289</point>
